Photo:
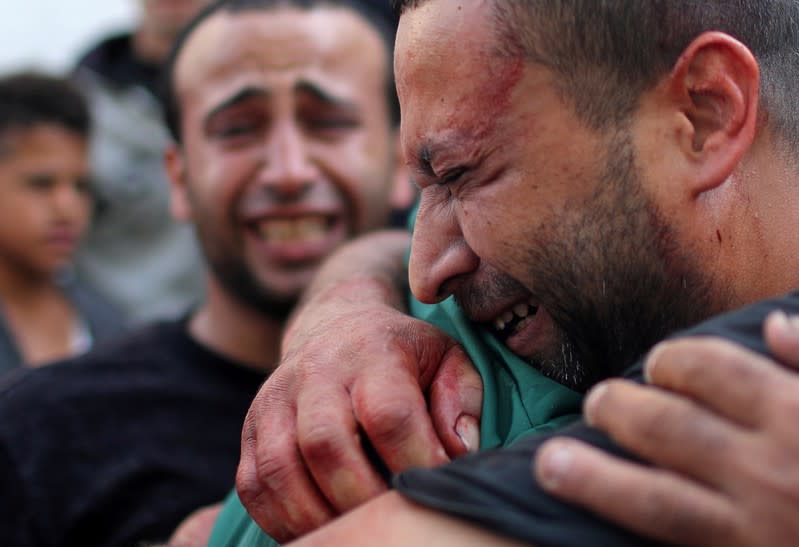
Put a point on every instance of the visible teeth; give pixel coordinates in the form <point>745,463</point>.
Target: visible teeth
<point>283,230</point>
<point>520,310</point>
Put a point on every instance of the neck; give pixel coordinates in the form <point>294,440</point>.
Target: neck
<point>237,331</point>
<point>759,243</point>
<point>23,286</point>
<point>151,46</point>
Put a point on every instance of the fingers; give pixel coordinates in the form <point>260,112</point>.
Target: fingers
<point>300,508</point>
<point>392,412</point>
<point>665,429</point>
<point>272,481</point>
<point>782,337</point>
<point>725,377</point>
<point>331,448</point>
<point>653,502</point>
<point>456,401</point>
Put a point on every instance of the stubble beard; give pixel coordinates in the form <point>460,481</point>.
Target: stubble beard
<point>237,280</point>
<point>615,280</point>
<point>232,272</point>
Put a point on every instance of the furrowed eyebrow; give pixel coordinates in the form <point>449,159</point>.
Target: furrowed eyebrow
<point>321,95</point>
<point>240,96</point>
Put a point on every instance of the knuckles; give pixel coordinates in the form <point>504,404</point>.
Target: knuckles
<point>321,442</point>
<point>387,422</point>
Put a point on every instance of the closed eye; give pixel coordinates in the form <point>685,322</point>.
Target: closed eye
<point>452,176</point>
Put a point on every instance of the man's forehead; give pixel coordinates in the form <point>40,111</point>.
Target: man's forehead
<point>282,41</point>
<point>438,23</point>
<point>451,82</point>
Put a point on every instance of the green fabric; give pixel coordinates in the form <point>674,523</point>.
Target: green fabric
<point>517,401</point>
<point>234,527</point>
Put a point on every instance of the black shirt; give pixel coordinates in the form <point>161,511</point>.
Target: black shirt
<point>118,446</point>
<point>496,489</point>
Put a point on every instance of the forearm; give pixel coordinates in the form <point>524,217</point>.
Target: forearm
<point>391,520</point>
<point>368,270</point>
<point>353,366</point>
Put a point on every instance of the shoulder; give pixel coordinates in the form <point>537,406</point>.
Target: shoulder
<point>103,318</point>
<point>105,52</point>
<point>111,365</point>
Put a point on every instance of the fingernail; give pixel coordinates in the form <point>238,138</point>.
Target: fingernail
<point>553,466</point>
<point>780,320</point>
<point>592,402</point>
<point>786,325</point>
<point>468,430</point>
<point>792,322</point>
<point>651,362</point>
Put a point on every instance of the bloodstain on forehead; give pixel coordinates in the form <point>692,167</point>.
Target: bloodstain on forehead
<point>493,93</point>
<point>453,81</point>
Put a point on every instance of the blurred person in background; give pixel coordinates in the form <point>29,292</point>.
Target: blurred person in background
<point>45,205</point>
<point>136,253</point>
<point>284,126</point>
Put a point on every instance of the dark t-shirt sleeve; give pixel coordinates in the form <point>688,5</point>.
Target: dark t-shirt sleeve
<point>496,489</point>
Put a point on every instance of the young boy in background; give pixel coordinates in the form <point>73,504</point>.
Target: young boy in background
<point>45,208</point>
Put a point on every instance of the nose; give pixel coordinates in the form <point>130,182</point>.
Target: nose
<point>290,171</point>
<point>68,201</point>
<point>440,257</point>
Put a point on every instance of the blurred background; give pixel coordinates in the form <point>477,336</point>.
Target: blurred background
<point>51,34</point>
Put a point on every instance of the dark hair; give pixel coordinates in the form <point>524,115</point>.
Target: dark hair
<point>376,12</point>
<point>30,98</point>
<point>607,52</point>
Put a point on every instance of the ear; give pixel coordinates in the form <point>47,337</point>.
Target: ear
<point>716,82</point>
<point>403,192</point>
<point>175,166</point>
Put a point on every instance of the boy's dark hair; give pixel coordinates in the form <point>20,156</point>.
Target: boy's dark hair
<point>607,52</point>
<point>376,12</point>
<point>30,98</point>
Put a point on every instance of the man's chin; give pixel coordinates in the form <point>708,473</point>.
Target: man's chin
<point>534,335</point>
<point>557,360</point>
<point>566,370</point>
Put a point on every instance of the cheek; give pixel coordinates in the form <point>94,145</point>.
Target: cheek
<point>497,228</point>
<point>221,177</point>
<point>360,171</point>
<point>22,216</point>
<point>84,212</point>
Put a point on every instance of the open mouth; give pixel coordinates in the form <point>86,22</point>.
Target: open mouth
<point>513,320</point>
<point>305,229</point>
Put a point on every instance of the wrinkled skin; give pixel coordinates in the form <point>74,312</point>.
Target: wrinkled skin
<point>316,407</point>
<point>521,187</point>
<point>724,437</point>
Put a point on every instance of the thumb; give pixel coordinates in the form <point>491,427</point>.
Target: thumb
<point>782,337</point>
<point>456,399</point>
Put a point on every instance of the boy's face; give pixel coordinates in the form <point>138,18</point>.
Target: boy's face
<point>45,203</point>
